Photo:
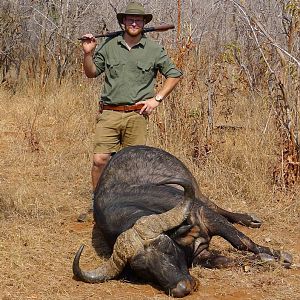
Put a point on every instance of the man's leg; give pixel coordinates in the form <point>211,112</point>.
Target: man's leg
<point>106,141</point>
<point>135,130</point>
<point>99,162</point>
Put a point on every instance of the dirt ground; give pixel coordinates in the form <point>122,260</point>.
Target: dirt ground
<point>36,263</point>
<point>39,236</point>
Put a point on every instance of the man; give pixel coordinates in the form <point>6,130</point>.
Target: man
<point>130,63</point>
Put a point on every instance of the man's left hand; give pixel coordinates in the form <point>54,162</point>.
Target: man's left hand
<point>149,106</point>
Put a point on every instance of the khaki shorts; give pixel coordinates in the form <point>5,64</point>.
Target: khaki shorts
<point>115,130</point>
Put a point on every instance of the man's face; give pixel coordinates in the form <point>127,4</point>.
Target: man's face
<point>134,25</point>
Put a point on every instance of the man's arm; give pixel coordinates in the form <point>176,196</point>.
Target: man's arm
<point>167,88</point>
<point>88,65</point>
<point>88,46</point>
<point>168,69</point>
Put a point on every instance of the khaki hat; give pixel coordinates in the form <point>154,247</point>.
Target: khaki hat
<point>134,8</point>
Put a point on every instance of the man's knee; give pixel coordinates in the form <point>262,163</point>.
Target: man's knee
<point>100,160</point>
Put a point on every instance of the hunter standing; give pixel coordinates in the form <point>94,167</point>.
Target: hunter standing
<point>130,63</point>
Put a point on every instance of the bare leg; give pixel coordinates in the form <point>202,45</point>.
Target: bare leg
<point>99,162</point>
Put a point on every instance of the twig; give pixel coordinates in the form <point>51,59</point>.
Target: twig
<point>248,18</point>
<point>63,36</point>
<point>252,19</point>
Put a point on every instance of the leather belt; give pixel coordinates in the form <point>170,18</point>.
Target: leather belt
<point>124,108</point>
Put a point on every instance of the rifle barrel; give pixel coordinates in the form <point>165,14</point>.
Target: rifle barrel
<point>159,28</point>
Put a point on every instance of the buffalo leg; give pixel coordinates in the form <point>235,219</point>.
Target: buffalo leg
<point>249,220</point>
<point>218,225</point>
<point>210,260</point>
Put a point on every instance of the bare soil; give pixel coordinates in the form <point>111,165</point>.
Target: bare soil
<point>42,191</point>
<point>36,263</point>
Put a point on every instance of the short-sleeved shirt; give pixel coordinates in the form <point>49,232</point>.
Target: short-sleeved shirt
<point>130,75</point>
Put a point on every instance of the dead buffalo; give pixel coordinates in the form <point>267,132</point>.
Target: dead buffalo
<point>152,213</point>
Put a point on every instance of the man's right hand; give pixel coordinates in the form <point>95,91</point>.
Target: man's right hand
<point>88,46</point>
<point>88,43</point>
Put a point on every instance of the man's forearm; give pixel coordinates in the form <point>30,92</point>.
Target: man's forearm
<point>168,86</point>
<point>152,103</point>
<point>89,66</point>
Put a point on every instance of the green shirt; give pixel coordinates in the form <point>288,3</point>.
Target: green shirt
<point>130,75</point>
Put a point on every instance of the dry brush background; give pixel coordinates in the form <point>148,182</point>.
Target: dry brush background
<point>233,120</point>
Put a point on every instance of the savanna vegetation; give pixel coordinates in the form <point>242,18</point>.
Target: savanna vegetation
<point>233,119</point>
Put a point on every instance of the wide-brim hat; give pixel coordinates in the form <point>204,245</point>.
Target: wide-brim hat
<point>135,9</point>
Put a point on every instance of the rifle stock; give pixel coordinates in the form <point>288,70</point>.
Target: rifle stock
<point>159,28</point>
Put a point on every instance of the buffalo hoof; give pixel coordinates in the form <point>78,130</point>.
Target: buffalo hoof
<point>266,258</point>
<point>184,287</point>
<point>255,221</point>
<point>285,259</point>
<point>252,221</point>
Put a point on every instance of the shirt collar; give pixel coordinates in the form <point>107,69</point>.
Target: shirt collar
<point>142,42</point>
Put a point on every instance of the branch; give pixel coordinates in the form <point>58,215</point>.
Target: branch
<point>252,20</point>
<point>248,18</point>
<point>46,18</point>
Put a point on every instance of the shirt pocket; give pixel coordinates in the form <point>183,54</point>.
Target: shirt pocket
<point>114,68</point>
<point>145,71</point>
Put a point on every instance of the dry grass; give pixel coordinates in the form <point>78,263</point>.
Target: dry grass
<point>45,145</point>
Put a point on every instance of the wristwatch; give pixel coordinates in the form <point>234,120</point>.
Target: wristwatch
<point>159,98</point>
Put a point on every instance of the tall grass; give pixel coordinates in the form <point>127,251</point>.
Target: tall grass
<point>46,141</point>
<point>47,132</point>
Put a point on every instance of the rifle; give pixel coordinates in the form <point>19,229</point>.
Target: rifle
<point>159,28</point>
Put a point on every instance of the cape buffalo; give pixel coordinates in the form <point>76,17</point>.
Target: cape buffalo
<point>150,210</point>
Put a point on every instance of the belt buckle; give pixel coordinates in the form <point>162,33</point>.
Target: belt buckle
<point>127,108</point>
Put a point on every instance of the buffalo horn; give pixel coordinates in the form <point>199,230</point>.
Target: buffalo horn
<point>130,242</point>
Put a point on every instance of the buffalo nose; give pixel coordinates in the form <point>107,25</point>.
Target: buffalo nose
<point>184,287</point>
